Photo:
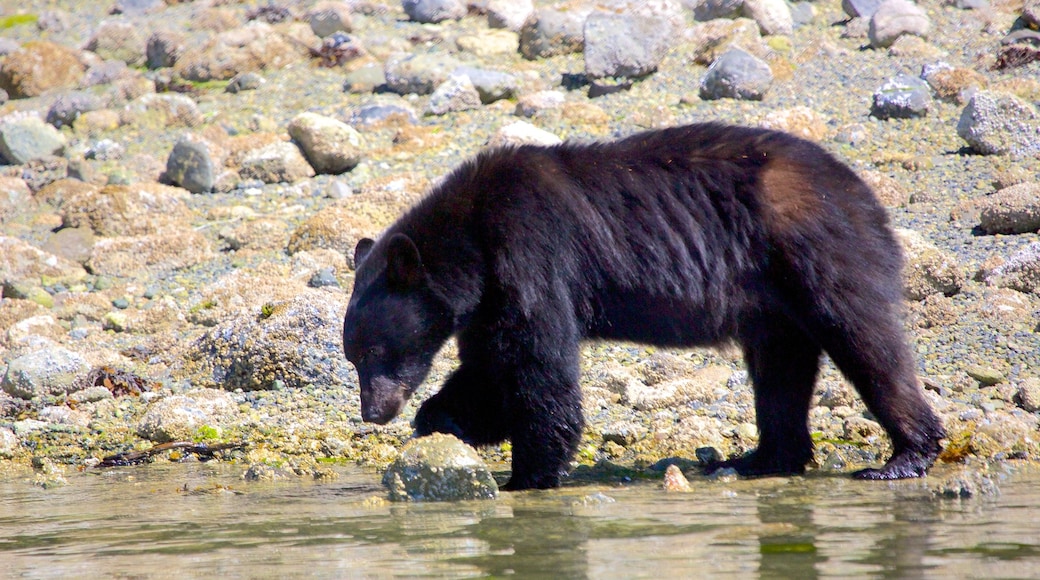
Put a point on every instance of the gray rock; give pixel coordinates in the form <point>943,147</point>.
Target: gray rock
<point>375,113</point>
<point>9,443</point>
<point>430,11</point>
<point>1021,271</point>
<point>138,7</point>
<point>164,47</point>
<point>736,75</point>
<point>418,73</point>
<point>174,109</point>
<point>772,16</point>
<point>247,81</point>
<point>439,468</point>
<point>860,8</point>
<point>491,85</point>
<point>105,150</point>
<point>278,162</point>
<point>893,19</point>
<point>330,146</point>
<point>1012,210</point>
<point>69,106</point>
<point>327,18</point>
<point>1028,395</point>
<point>995,123</point>
<point>193,164</point>
<point>532,104</point>
<point>28,137</point>
<point>323,278</point>
<point>705,10</point>
<point>802,13</point>
<point>107,72</point>
<point>552,32</point>
<point>73,244</point>
<point>179,417</point>
<point>509,14</point>
<point>625,45</point>
<point>288,344</point>
<point>44,170</point>
<point>453,95</point>
<point>46,371</point>
<point>965,485</point>
<point>929,269</point>
<point>119,40</point>
<point>904,97</point>
<point>365,79</point>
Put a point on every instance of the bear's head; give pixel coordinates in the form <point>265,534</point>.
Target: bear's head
<point>394,325</point>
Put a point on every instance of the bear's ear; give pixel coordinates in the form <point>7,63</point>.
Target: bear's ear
<point>404,268</point>
<point>361,250</point>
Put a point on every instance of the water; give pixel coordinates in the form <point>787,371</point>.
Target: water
<point>201,520</point>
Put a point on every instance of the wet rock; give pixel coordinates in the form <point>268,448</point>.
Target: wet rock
<point>330,146</point>
<point>286,344</point>
<point>860,8</point>
<point>164,47</point>
<point>326,18</point>
<point>894,18</point>
<point>432,11</point>
<point>278,162</point>
<point>624,433</point>
<point>491,85</point>
<point>903,97</point>
<point>966,484</point>
<point>46,371</point>
<point>179,417</point>
<point>552,32</point>
<point>675,481</point>
<point>453,95</point>
<point>195,163</point>
<point>772,16</point>
<point>126,210</point>
<point>624,45</point>
<point>1012,210</point>
<point>254,47</point>
<point>928,270</point>
<point>25,138</point>
<point>995,123</point>
<point>509,14</point>
<point>439,468</point>
<point>736,75</point>
<point>264,472</point>
<point>118,40</point>
<point>522,133</point>
<point>1020,271</point>
<point>1028,395</point>
<point>418,73</point>
<point>171,249</point>
<point>40,66</point>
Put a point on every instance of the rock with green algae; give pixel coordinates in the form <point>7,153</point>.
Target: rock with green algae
<point>439,468</point>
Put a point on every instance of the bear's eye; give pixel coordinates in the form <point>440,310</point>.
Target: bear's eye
<point>372,353</point>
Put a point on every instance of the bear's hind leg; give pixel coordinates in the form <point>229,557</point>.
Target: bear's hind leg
<point>875,358</point>
<point>782,363</point>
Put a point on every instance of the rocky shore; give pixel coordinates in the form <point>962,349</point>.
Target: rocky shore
<point>182,184</point>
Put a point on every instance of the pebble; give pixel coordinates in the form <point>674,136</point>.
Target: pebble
<point>26,138</point>
<point>902,97</point>
<point>327,18</point>
<point>772,16</point>
<point>278,162</point>
<point>707,10</point>
<point>675,481</point>
<point>522,133</point>
<point>531,104</point>
<point>509,14</point>
<point>377,113</point>
<point>929,269</point>
<point>418,73</point>
<point>69,106</point>
<point>894,18</point>
<point>996,123</point>
<point>164,47</point>
<point>491,85</point>
<point>736,75</point>
<point>860,8</point>
<point>247,81</point>
<point>118,40</point>
<point>194,163</point>
<point>553,32</point>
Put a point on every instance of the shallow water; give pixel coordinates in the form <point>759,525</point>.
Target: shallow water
<point>202,520</point>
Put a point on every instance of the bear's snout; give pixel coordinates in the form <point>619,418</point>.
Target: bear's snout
<point>382,400</point>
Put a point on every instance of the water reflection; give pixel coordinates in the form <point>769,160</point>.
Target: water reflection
<point>162,521</point>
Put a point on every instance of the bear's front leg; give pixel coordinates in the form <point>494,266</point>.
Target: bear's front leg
<point>470,406</point>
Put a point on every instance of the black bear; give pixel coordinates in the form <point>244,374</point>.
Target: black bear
<point>683,236</point>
